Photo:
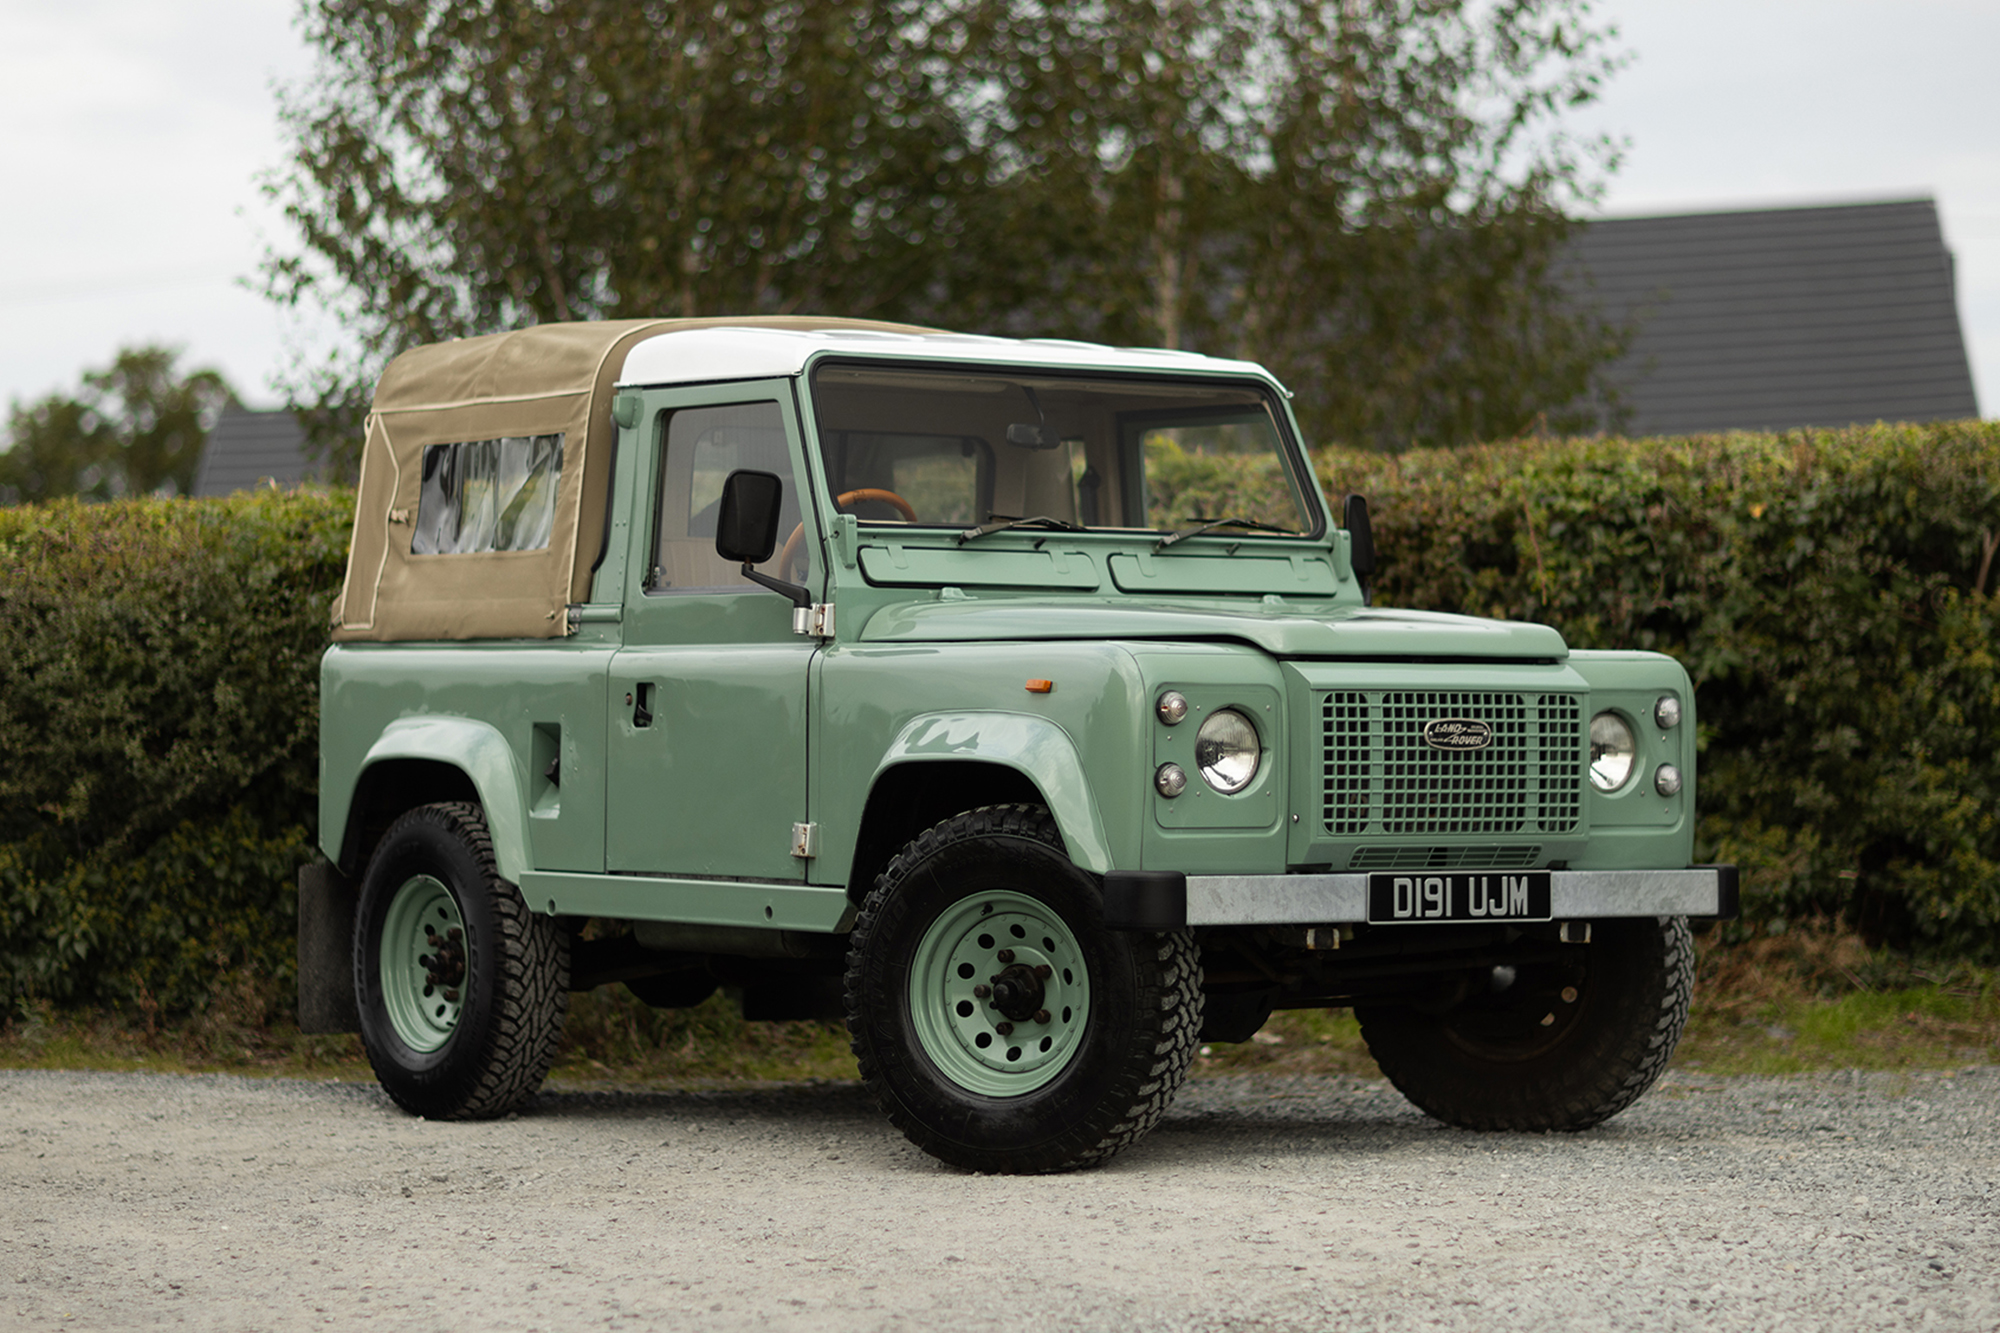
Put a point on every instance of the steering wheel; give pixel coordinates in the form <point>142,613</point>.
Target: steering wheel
<point>841,501</point>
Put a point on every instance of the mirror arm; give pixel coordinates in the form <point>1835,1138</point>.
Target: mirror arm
<point>798,592</point>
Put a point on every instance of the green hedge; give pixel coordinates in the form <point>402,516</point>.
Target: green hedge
<point>1823,588</point>
<point>158,665</point>
<point>159,709</point>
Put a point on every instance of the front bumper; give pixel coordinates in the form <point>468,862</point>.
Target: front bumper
<point>1170,900</point>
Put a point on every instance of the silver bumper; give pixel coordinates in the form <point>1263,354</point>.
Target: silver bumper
<point>1280,900</point>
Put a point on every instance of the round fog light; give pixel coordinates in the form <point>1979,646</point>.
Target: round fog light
<point>1172,707</point>
<point>1667,712</point>
<point>1171,780</point>
<point>1667,780</point>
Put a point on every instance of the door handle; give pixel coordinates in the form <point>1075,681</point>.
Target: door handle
<point>641,700</point>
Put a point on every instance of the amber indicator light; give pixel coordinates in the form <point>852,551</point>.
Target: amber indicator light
<point>1040,686</point>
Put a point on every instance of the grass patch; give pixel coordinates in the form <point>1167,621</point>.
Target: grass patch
<point>1294,1041</point>
<point>1812,996</point>
<point>1808,998</point>
<point>219,1041</point>
<point>612,1039</point>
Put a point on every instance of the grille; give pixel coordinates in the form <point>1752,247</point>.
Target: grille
<point>1381,780</point>
<point>1445,858</point>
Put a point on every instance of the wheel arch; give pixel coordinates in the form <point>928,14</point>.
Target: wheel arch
<point>421,760</point>
<point>943,764</point>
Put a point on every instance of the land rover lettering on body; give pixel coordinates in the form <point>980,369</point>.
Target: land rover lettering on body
<point>1020,704</point>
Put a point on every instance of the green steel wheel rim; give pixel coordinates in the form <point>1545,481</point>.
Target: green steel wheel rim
<point>423,963</point>
<point>999,993</point>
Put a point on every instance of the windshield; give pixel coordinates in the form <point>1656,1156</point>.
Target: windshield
<point>958,448</point>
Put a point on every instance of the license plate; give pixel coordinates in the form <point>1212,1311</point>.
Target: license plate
<point>1522,895</point>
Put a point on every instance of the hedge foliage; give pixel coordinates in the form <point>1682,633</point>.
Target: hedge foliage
<point>159,686</point>
<point>1831,592</point>
<point>158,674</point>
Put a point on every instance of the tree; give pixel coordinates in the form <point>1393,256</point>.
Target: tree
<point>1368,195</point>
<point>137,427</point>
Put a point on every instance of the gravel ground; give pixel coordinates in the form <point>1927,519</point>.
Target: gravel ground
<point>1848,1201</point>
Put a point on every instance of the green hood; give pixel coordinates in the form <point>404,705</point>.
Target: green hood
<point>1346,631</point>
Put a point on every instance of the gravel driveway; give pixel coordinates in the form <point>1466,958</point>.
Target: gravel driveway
<point>1848,1201</point>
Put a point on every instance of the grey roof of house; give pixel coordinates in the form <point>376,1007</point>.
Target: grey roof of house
<point>1780,318</point>
<point>247,449</point>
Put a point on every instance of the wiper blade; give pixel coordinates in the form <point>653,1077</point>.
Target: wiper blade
<point>1210,525</point>
<point>1001,522</point>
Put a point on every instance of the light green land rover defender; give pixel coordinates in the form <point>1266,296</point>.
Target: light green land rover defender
<point>1022,698</point>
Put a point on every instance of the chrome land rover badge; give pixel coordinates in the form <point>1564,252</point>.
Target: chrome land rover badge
<point>1457,734</point>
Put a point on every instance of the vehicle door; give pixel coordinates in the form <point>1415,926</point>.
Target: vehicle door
<point>707,734</point>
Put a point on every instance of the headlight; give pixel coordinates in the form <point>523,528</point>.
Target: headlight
<point>1611,752</point>
<point>1226,751</point>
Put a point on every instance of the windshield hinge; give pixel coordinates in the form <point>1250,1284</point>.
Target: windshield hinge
<point>816,620</point>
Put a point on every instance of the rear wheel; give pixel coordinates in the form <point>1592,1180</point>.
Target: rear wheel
<point>1556,1045</point>
<point>1000,1025</point>
<point>462,990</point>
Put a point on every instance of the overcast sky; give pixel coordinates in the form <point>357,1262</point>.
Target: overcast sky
<point>133,132</point>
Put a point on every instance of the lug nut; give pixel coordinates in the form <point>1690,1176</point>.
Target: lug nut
<point>981,991</point>
<point>1004,1029</point>
<point>1042,971</point>
<point>1041,1015</point>
<point>451,995</point>
<point>456,933</point>
<point>1005,955</point>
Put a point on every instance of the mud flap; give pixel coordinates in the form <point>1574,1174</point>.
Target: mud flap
<point>326,950</point>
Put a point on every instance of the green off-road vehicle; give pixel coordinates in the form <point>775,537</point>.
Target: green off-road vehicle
<point>1022,698</point>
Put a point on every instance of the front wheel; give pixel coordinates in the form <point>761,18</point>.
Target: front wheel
<point>462,990</point>
<point>1547,1045</point>
<point>999,1023</point>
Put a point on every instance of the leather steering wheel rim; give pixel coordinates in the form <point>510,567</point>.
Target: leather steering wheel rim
<point>841,501</point>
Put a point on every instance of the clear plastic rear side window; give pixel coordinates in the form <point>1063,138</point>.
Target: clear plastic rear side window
<point>488,495</point>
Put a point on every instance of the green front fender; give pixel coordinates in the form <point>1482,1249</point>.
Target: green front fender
<point>1035,747</point>
<point>478,750</point>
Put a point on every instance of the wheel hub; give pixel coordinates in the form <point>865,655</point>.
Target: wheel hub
<point>1018,991</point>
<point>445,964</point>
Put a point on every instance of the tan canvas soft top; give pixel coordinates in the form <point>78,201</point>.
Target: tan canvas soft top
<point>545,380</point>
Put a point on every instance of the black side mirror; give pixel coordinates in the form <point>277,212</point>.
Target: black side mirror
<point>1360,541</point>
<point>746,525</point>
<point>746,528</point>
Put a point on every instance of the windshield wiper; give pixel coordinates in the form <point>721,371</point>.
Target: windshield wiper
<point>1210,525</point>
<point>1001,522</point>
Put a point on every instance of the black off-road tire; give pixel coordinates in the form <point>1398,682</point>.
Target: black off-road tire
<point>1492,1063</point>
<point>512,969</point>
<point>1129,1046</point>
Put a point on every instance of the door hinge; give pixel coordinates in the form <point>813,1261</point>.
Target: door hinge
<point>805,841</point>
<point>816,620</point>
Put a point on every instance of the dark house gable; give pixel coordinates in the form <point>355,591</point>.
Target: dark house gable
<point>1779,318</point>
<point>250,449</point>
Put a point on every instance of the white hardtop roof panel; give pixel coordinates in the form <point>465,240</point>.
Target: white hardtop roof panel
<point>704,356</point>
